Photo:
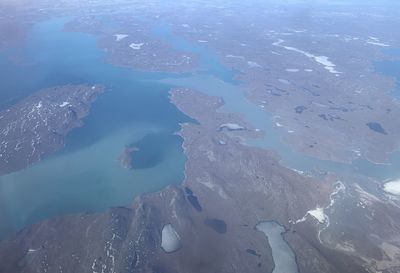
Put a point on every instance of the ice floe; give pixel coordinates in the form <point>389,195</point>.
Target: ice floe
<point>392,187</point>
<point>170,240</point>
<point>292,70</point>
<point>119,37</point>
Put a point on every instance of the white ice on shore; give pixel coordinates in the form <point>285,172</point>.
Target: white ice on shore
<point>392,187</point>
<point>136,46</point>
<point>119,37</point>
<point>170,240</point>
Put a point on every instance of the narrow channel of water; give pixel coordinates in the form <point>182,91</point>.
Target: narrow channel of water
<point>221,84</point>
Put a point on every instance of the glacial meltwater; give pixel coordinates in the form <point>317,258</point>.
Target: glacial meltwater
<point>86,176</point>
<point>135,111</point>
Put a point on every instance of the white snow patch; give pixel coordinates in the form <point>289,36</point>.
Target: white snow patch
<point>234,56</point>
<point>136,46</point>
<point>328,65</point>
<point>283,81</point>
<point>318,214</point>
<point>231,126</point>
<point>170,240</point>
<point>392,187</point>
<point>253,64</point>
<point>275,53</point>
<point>378,44</point>
<point>65,103</point>
<point>119,37</point>
<point>292,70</point>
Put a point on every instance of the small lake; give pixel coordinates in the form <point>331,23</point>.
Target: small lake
<point>284,258</point>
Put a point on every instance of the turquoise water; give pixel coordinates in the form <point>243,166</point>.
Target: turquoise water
<point>86,175</point>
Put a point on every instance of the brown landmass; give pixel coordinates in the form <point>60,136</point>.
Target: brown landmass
<point>37,125</point>
<point>225,182</point>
